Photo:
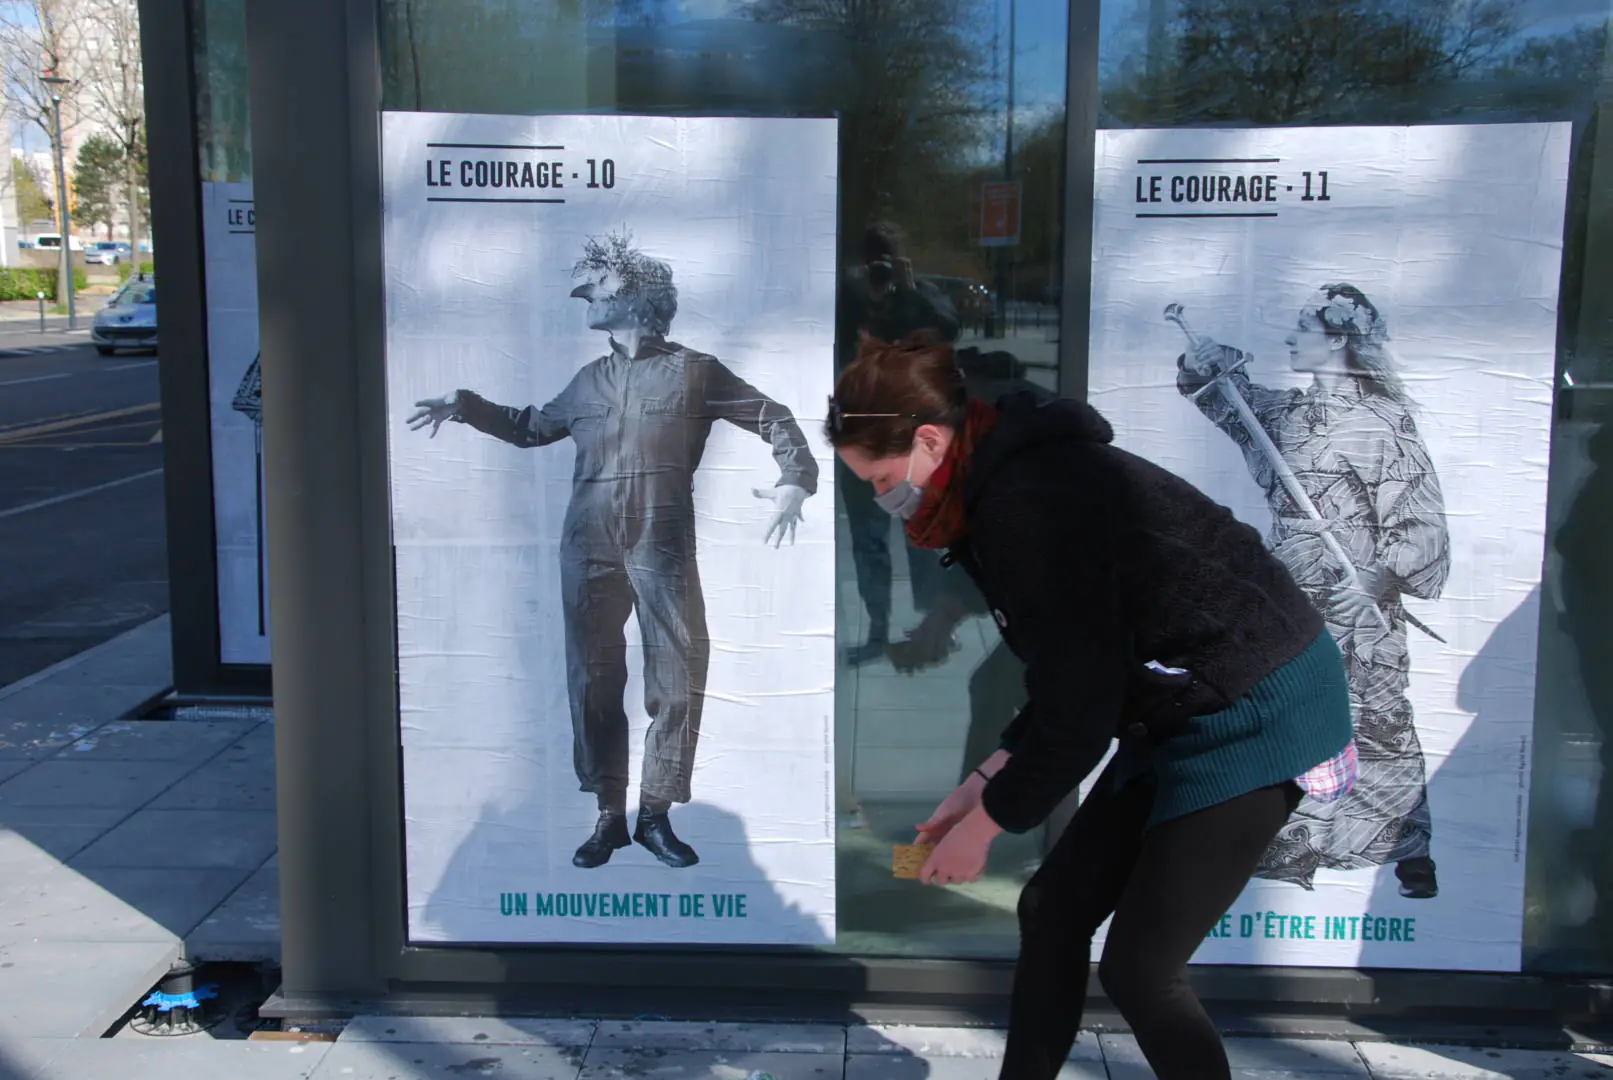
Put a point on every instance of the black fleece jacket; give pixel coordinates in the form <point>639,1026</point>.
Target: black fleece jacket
<point>1094,562</point>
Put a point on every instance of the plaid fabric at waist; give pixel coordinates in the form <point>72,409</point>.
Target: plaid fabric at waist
<point>1332,779</point>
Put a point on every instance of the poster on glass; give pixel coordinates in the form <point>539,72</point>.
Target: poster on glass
<point>235,394</point>
<point>609,344</point>
<point>1347,336</point>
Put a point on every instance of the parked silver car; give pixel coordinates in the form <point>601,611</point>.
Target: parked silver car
<point>129,320</point>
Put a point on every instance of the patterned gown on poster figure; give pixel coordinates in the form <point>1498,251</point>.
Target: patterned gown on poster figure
<point>1353,445</point>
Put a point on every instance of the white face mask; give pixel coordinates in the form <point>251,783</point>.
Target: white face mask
<point>903,499</point>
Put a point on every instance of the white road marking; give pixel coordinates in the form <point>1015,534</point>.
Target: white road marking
<point>39,378</point>
<point>71,495</point>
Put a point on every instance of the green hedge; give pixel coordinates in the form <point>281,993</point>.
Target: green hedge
<point>125,271</point>
<point>18,284</point>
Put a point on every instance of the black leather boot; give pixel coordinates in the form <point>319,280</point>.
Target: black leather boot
<point>654,832</point>
<point>610,834</point>
<point>1417,879</point>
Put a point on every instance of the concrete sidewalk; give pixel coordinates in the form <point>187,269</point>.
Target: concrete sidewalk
<point>445,1048</point>
<point>125,844</point>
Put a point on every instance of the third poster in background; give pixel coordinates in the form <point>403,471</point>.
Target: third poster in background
<point>609,345</point>
<point>1347,336</point>
<point>236,411</point>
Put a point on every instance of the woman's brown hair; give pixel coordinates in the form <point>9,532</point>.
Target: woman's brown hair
<point>891,390</point>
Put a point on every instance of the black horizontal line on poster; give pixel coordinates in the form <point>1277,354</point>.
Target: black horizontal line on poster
<point>485,146</point>
<point>450,198</point>
<point>1263,213</point>
<point>1210,161</point>
<point>243,232</point>
<point>246,201</point>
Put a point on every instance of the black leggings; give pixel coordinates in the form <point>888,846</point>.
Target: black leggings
<point>1167,888</point>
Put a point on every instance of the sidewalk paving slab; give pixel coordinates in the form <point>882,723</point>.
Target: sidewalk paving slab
<point>27,741</point>
<point>187,839</point>
<point>948,1042</point>
<point>1277,1056</point>
<point>1390,1061</point>
<point>91,703</point>
<point>235,780</point>
<point>359,1060</point>
<point>58,832</point>
<point>156,740</point>
<point>483,1030</point>
<point>74,989</point>
<point>712,1064</point>
<point>245,928</point>
<point>146,648</point>
<point>148,905</point>
<point>1310,1057</point>
<point>889,1067</point>
<point>110,784</point>
<point>664,1035</point>
<point>141,657</point>
<point>29,1059</point>
<point>186,1058</point>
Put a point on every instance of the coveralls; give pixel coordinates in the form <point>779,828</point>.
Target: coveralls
<point>628,543</point>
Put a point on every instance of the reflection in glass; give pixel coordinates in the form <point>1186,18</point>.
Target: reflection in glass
<point>223,127</point>
<point>1168,62</point>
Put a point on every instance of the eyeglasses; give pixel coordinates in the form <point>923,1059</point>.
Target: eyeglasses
<point>838,416</point>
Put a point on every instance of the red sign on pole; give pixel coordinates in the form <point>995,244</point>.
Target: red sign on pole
<point>999,213</point>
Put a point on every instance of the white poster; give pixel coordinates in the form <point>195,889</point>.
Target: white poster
<point>1347,335</point>
<point>228,237</point>
<point>609,347</point>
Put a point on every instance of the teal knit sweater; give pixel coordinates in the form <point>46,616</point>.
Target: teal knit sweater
<point>1292,720</point>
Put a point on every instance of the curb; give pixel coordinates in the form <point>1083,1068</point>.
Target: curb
<point>87,656</point>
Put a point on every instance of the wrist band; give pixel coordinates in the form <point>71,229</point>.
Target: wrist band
<point>982,775</point>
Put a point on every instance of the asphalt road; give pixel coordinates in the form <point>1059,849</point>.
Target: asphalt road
<point>82,548</point>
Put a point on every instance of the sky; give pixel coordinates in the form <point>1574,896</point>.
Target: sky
<point>1042,38</point>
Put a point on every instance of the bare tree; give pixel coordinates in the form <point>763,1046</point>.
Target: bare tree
<point>1285,61</point>
<point>41,38</point>
<point>909,80</point>
<point>114,93</point>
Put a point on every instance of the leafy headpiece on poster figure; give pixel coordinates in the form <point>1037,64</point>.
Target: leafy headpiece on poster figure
<point>1343,311</point>
<point>643,278</point>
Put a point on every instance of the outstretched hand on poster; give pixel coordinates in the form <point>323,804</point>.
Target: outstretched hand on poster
<point>434,411</point>
<point>787,501</point>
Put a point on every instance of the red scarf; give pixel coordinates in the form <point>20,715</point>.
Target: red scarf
<point>939,521</point>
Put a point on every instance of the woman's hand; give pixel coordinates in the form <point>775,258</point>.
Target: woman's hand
<point>961,855</point>
<point>953,809</point>
<point>963,800</point>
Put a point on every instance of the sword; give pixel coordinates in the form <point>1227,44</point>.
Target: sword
<point>1262,440</point>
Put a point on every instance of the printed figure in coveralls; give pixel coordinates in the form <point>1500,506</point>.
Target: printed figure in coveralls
<point>639,417</point>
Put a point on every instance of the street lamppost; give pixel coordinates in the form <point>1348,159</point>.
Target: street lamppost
<point>65,274</point>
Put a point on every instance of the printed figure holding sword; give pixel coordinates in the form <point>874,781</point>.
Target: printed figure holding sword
<point>1359,520</point>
